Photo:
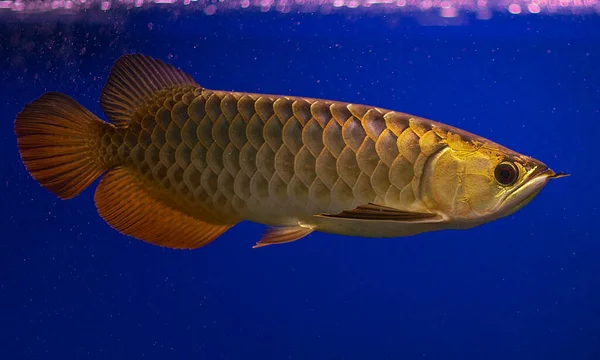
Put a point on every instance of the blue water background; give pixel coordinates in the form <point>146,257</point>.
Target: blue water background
<point>523,287</point>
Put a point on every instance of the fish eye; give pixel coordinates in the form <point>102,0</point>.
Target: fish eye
<point>506,173</point>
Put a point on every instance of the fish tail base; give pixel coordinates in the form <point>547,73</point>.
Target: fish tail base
<point>59,143</point>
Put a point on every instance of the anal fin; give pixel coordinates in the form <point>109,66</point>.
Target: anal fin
<point>282,235</point>
<point>128,206</point>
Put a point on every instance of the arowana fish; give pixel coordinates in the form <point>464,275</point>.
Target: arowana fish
<point>181,164</point>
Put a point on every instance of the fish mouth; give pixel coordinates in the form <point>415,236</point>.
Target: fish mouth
<point>558,175</point>
<point>545,174</point>
<point>530,188</point>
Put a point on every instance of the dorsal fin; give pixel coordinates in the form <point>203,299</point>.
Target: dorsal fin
<point>134,79</point>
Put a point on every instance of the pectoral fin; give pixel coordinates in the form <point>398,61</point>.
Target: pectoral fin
<point>281,235</point>
<point>380,212</point>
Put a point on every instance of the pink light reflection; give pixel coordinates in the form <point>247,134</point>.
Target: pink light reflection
<point>514,9</point>
<point>446,8</point>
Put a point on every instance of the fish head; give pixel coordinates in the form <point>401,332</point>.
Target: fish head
<point>473,180</point>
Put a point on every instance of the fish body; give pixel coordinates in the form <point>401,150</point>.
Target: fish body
<point>182,164</point>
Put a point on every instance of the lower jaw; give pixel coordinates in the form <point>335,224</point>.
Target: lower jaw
<point>528,199</point>
<point>524,201</point>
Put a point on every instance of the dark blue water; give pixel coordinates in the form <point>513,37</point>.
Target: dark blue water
<point>524,287</point>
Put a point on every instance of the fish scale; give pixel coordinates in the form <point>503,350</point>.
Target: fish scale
<point>181,164</point>
<point>240,154</point>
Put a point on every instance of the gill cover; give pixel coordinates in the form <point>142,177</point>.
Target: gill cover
<point>474,182</point>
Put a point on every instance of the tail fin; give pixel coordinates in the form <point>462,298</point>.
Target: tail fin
<point>58,141</point>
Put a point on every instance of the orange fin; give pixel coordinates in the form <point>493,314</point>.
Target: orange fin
<point>282,235</point>
<point>379,212</point>
<point>133,80</point>
<point>56,138</point>
<point>127,205</point>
